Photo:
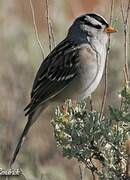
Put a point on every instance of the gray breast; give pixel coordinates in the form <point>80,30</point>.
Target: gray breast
<point>91,69</point>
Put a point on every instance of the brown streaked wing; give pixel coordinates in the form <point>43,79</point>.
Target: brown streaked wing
<point>55,74</point>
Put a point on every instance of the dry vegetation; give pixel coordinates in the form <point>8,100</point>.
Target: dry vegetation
<point>20,57</point>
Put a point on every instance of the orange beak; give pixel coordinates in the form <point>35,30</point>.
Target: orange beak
<point>110,29</point>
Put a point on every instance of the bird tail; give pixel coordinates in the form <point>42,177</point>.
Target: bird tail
<point>21,141</point>
<point>31,119</point>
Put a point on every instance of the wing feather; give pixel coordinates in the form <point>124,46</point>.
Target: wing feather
<point>55,73</point>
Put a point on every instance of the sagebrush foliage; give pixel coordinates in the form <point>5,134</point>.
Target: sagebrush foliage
<point>81,134</point>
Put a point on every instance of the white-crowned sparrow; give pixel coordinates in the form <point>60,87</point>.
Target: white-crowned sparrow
<point>72,70</point>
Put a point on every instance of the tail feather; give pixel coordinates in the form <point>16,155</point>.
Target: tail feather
<point>32,117</point>
<point>21,141</point>
<point>27,107</point>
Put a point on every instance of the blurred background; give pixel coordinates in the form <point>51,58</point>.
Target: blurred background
<point>20,57</point>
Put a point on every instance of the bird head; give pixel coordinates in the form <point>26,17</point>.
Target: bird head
<point>92,26</point>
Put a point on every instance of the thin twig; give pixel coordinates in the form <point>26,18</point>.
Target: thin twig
<point>35,28</point>
<point>127,13</point>
<point>52,35</point>
<point>50,29</point>
<point>125,18</point>
<point>126,34</point>
<point>22,174</point>
<point>126,73</point>
<point>106,66</point>
<point>91,102</point>
<point>122,11</point>
<point>93,175</point>
<point>48,24</point>
<point>80,172</point>
<point>128,160</point>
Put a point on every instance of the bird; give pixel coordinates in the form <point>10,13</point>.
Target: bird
<point>72,70</point>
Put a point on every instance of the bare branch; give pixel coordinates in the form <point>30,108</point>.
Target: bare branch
<point>48,24</point>
<point>125,18</point>
<point>35,29</point>
<point>106,66</point>
<point>128,160</point>
<point>127,13</point>
<point>122,11</point>
<point>91,102</point>
<point>125,72</point>
<point>80,172</point>
<point>126,34</point>
<point>50,29</point>
<point>52,35</point>
<point>93,175</point>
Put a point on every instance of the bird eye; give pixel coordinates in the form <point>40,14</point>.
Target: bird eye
<point>98,26</point>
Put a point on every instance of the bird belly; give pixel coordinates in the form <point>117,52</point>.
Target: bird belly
<point>91,78</point>
<point>91,69</point>
<point>91,85</point>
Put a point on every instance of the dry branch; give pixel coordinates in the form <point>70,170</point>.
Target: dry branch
<point>49,27</point>
<point>106,66</point>
<point>125,18</point>
<point>35,28</point>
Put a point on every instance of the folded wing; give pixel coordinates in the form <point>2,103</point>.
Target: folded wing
<point>55,74</point>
